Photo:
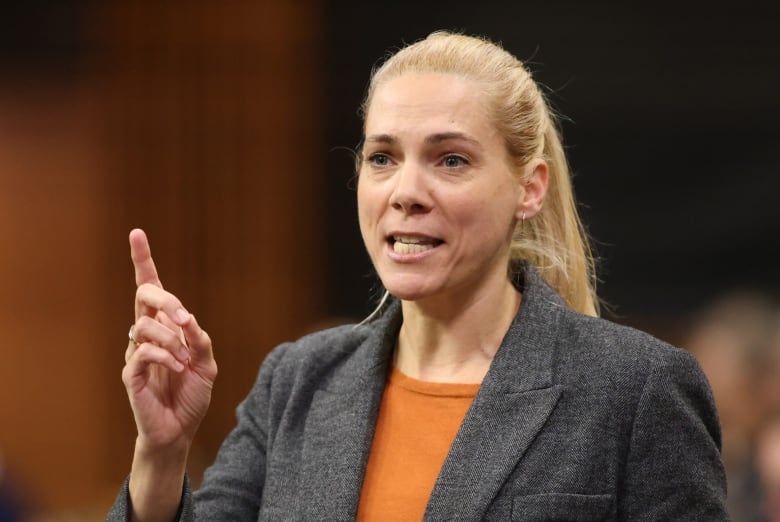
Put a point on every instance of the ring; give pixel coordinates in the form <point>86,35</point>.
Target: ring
<point>130,335</point>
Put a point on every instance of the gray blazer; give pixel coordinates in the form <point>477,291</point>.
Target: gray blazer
<point>577,419</point>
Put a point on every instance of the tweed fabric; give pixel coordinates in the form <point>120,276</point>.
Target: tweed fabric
<point>577,418</point>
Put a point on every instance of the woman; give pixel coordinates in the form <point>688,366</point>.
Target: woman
<point>483,387</point>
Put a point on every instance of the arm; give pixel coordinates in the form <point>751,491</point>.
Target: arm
<point>674,469</point>
<point>120,510</point>
<point>233,485</point>
<point>169,372</point>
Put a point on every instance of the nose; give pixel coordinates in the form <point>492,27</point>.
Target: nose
<point>411,193</point>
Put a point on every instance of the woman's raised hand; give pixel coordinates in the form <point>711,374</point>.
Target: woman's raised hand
<point>170,366</point>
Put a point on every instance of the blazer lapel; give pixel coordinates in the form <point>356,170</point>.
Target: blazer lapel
<point>494,436</point>
<point>513,404</point>
<point>340,426</point>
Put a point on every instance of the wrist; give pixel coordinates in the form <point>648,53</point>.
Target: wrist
<point>156,480</point>
<point>162,454</point>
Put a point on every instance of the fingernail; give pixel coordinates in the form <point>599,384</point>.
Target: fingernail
<point>182,315</point>
<point>177,366</point>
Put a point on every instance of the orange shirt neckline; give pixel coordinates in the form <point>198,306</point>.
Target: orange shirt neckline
<point>436,389</point>
<point>416,425</point>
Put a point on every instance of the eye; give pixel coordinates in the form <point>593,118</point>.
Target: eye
<point>379,159</point>
<point>453,161</point>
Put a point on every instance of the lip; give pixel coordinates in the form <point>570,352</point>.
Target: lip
<point>413,257</point>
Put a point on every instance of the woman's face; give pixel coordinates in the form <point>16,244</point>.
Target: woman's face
<point>437,196</point>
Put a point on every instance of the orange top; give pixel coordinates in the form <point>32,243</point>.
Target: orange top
<point>417,423</point>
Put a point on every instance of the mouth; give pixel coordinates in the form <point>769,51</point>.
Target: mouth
<point>405,245</point>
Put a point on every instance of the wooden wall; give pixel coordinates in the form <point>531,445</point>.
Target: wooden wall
<point>201,123</point>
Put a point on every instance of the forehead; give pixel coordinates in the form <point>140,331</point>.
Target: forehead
<point>429,103</point>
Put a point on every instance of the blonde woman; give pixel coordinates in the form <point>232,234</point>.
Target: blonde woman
<point>484,387</point>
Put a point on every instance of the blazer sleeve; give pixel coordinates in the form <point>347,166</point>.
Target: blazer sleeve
<point>120,511</point>
<point>233,485</point>
<point>674,469</point>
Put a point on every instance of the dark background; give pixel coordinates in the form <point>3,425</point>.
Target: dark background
<point>223,128</point>
<point>670,117</point>
<point>671,124</point>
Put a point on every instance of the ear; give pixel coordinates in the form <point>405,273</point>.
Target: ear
<point>537,178</point>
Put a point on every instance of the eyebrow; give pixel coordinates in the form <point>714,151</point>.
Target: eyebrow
<point>431,139</point>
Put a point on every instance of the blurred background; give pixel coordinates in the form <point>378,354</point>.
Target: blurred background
<point>224,130</point>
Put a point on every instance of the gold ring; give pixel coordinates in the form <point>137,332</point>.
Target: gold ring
<point>130,335</point>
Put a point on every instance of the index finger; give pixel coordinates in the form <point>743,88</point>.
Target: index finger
<point>141,254</point>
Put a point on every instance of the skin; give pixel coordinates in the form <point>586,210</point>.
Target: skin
<point>435,170</point>
<point>169,373</point>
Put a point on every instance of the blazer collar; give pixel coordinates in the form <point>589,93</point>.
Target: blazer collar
<point>524,361</point>
<point>515,400</point>
<point>513,403</point>
<point>340,424</point>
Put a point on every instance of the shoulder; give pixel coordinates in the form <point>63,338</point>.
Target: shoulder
<point>591,343</point>
<point>319,351</point>
<point>293,372</point>
<point>607,337</point>
<point>590,354</point>
<point>323,345</point>
<point>595,349</point>
<point>620,374</point>
<point>332,355</point>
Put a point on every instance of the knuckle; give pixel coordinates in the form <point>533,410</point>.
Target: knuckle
<point>171,303</point>
<point>143,351</point>
<point>139,329</point>
<point>142,323</point>
<point>127,373</point>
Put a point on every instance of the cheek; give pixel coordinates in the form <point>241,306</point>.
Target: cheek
<point>367,208</point>
<point>494,208</point>
<point>488,228</point>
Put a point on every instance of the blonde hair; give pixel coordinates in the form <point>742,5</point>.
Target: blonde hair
<point>554,240</point>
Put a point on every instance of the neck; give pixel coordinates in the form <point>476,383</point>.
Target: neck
<point>455,340</point>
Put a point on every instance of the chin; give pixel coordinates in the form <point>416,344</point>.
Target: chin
<point>409,289</point>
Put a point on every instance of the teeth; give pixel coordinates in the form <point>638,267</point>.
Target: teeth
<point>412,245</point>
<point>411,240</point>
<point>410,248</point>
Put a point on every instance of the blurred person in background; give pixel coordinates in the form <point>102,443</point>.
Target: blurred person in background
<point>768,468</point>
<point>735,339</point>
